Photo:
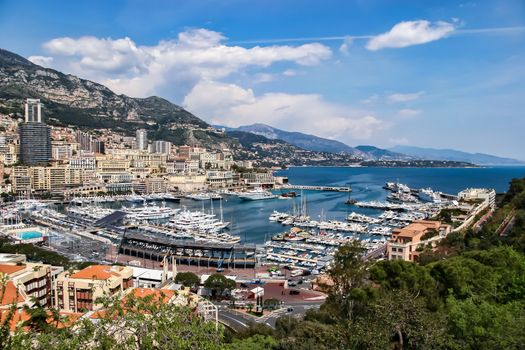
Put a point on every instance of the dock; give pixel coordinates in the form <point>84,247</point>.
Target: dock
<point>317,188</point>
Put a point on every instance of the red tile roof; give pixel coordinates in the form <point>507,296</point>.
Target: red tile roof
<point>8,269</point>
<point>97,272</point>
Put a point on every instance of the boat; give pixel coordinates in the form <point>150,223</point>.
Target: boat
<point>203,196</point>
<point>428,195</point>
<point>257,194</point>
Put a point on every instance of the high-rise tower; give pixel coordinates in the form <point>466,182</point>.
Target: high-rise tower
<point>35,136</point>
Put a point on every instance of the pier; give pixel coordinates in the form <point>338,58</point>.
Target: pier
<point>317,188</point>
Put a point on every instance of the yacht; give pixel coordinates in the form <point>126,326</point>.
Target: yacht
<point>202,196</point>
<point>150,212</point>
<point>428,195</point>
<point>257,194</point>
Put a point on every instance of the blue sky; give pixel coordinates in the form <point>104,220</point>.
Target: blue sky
<point>425,73</point>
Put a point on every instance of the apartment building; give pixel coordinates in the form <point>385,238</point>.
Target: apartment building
<point>30,281</point>
<point>219,179</point>
<point>80,290</point>
<point>52,179</point>
<point>483,194</point>
<point>406,242</point>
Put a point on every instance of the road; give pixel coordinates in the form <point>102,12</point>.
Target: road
<point>240,321</point>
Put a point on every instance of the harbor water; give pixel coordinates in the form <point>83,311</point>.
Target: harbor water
<point>249,219</point>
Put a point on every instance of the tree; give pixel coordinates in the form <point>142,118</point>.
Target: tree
<point>256,342</point>
<point>135,323</point>
<point>219,284</point>
<point>348,273</point>
<point>188,279</point>
<point>271,304</point>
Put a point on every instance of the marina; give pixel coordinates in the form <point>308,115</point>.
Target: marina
<point>302,231</point>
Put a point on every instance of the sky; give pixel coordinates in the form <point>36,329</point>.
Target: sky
<point>442,74</point>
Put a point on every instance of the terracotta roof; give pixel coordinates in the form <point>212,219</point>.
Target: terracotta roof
<point>97,272</point>
<point>66,318</point>
<point>10,294</point>
<point>157,293</point>
<point>163,295</point>
<point>416,228</point>
<point>8,269</point>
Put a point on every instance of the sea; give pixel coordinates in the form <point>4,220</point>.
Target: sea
<point>249,219</point>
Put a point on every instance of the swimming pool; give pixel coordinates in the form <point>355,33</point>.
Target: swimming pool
<point>29,235</point>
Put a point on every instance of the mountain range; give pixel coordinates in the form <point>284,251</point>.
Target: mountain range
<point>454,155</point>
<point>397,153</point>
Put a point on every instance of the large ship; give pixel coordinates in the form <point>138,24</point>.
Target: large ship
<point>257,194</point>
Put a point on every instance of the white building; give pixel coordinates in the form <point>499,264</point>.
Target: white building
<point>84,163</point>
<point>473,194</point>
<point>142,139</point>
<point>33,110</point>
<point>161,147</point>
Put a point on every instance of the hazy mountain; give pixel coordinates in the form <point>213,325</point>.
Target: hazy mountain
<point>382,154</point>
<point>305,141</point>
<point>454,155</point>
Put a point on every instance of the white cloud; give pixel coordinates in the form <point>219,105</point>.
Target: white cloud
<point>346,45</point>
<point>41,60</point>
<point>231,105</point>
<point>370,100</point>
<point>290,73</point>
<point>263,78</point>
<point>195,55</point>
<point>410,33</point>
<point>398,97</point>
<point>408,113</point>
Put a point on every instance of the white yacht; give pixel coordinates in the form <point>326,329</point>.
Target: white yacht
<point>257,194</point>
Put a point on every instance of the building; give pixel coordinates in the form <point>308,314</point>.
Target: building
<point>61,150</point>
<point>219,178</point>
<point>259,179</point>
<point>80,290</point>
<point>184,152</point>
<point>84,140</point>
<point>30,280</point>
<point>142,139</point>
<point>161,147</point>
<point>35,143</point>
<point>33,111</point>
<point>83,163</point>
<point>406,242</point>
<point>98,147</point>
<point>479,194</point>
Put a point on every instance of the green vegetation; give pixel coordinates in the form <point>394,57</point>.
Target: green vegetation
<point>138,323</point>
<point>188,279</point>
<point>219,285</point>
<point>38,254</point>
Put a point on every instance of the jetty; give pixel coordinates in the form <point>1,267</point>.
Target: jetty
<point>317,188</point>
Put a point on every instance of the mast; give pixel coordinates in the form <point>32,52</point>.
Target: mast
<point>220,205</point>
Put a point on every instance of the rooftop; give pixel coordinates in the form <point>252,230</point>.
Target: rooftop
<point>416,228</point>
<point>8,269</point>
<point>98,272</point>
<point>10,295</point>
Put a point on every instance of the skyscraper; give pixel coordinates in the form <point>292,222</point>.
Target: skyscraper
<point>142,139</point>
<point>33,111</point>
<point>161,147</point>
<point>35,136</point>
